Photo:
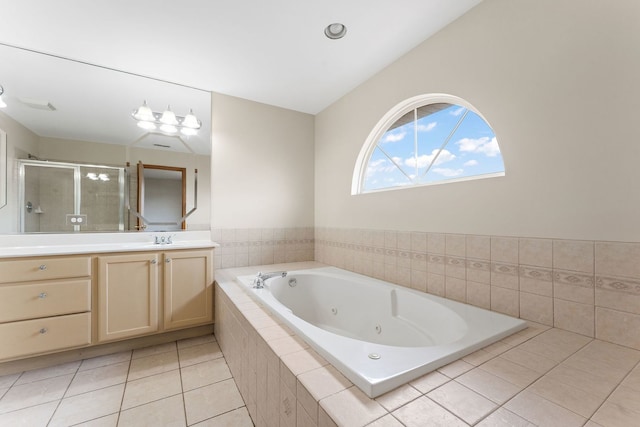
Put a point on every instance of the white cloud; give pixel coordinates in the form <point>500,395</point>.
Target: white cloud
<point>394,137</point>
<point>382,165</point>
<point>458,111</point>
<point>426,159</point>
<point>449,173</point>
<point>484,145</point>
<point>471,163</point>
<point>428,127</point>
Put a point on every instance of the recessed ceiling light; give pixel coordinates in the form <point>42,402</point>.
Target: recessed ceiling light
<point>335,31</point>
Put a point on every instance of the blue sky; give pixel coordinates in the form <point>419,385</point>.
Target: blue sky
<point>472,150</point>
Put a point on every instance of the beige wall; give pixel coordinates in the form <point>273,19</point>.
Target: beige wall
<point>262,165</point>
<point>558,81</point>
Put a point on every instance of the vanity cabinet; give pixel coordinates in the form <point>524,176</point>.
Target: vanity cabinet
<point>127,295</point>
<point>45,305</point>
<point>188,290</point>
<point>144,293</point>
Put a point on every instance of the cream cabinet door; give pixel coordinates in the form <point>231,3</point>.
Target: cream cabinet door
<point>127,295</point>
<point>188,296</point>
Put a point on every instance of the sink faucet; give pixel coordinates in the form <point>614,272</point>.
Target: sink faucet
<point>258,282</point>
<point>163,240</point>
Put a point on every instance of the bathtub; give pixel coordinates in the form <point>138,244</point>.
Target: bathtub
<point>379,335</point>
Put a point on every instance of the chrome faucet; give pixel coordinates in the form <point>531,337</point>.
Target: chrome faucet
<point>258,282</point>
<point>163,240</point>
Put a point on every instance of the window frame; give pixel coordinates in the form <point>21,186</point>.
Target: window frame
<point>383,125</point>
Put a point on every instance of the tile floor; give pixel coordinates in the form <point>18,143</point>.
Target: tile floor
<point>539,377</point>
<point>183,383</point>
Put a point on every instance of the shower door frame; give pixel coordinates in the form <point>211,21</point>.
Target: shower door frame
<point>77,189</point>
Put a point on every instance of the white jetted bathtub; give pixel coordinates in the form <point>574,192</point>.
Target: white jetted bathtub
<point>377,334</point>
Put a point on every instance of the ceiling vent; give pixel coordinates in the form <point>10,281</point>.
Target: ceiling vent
<point>37,104</point>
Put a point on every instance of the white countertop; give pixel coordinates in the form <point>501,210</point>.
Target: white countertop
<point>71,244</point>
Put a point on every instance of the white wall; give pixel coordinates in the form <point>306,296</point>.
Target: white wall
<point>559,81</point>
<point>262,165</point>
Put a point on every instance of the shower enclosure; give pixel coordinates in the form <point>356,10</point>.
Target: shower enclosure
<point>63,197</point>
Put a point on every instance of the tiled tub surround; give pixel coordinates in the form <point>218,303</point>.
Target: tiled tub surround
<point>240,247</point>
<point>540,376</point>
<point>588,287</point>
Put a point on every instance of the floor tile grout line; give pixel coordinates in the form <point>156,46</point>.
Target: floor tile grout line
<point>220,414</point>
<point>53,414</point>
<point>124,391</point>
<point>636,366</point>
<point>184,401</point>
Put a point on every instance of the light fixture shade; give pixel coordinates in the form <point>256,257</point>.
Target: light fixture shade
<point>2,104</point>
<point>167,122</point>
<point>144,113</point>
<point>191,121</point>
<point>169,117</point>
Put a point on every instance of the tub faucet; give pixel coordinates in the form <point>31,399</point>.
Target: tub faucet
<point>258,282</point>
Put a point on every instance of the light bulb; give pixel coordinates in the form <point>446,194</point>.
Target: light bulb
<point>2,104</point>
<point>168,128</point>
<point>188,131</point>
<point>147,125</point>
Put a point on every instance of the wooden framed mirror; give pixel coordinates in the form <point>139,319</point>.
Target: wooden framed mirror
<point>162,197</point>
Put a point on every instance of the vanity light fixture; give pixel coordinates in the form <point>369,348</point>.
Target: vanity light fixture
<point>2,104</point>
<point>166,121</point>
<point>335,31</point>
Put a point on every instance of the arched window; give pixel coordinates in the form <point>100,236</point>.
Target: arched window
<point>424,140</point>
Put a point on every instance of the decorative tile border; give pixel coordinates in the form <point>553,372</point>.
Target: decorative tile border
<point>535,273</point>
<point>573,279</point>
<point>622,285</point>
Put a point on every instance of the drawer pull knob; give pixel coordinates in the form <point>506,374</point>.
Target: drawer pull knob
<point>153,261</point>
<point>43,331</point>
<point>168,260</point>
<point>43,267</point>
<point>42,295</point>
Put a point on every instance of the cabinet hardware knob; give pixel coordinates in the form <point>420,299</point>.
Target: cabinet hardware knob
<point>42,295</point>
<point>153,261</point>
<point>43,331</point>
<point>43,267</point>
<point>168,260</point>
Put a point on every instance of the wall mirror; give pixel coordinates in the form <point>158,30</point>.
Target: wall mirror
<point>3,169</point>
<point>78,116</point>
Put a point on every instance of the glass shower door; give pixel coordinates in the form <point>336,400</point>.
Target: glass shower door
<point>48,196</point>
<point>62,197</point>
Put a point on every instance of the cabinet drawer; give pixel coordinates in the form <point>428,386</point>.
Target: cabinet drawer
<point>44,335</point>
<point>32,300</point>
<point>25,270</point>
